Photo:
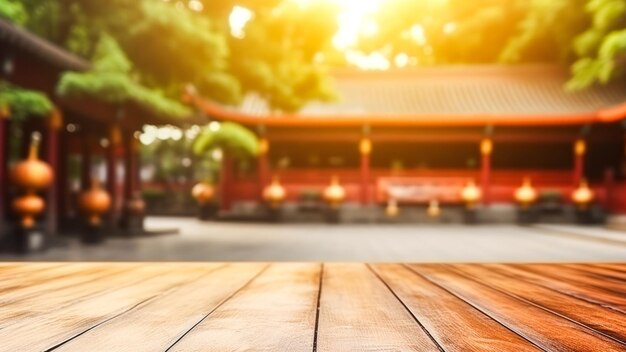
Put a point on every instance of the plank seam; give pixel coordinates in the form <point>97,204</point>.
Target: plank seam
<point>481,311</point>
<point>419,323</point>
<point>524,300</point>
<point>317,310</point>
<point>569,280</point>
<point>165,292</point>
<point>100,323</point>
<point>563,292</point>
<point>218,306</point>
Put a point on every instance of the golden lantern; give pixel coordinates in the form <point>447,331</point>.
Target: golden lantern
<point>32,174</point>
<point>471,194</point>
<point>486,146</point>
<point>28,206</point>
<point>5,111</point>
<point>136,205</point>
<point>94,202</point>
<point>203,192</point>
<point>365,146</point>
<point>274,193</point>
<point>392,208</point>
<point>583,195</point>
<point>433,210</point>
<point>526,194</point>
<point>264,146</point>
<point>334,194</point>
<point>580,147</point>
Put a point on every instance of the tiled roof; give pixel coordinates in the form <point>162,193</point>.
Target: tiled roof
<point>456,90</point>
<point>23,40</point>
<point>496,94</point>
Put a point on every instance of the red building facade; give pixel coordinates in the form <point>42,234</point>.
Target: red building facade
<point>420,135</point>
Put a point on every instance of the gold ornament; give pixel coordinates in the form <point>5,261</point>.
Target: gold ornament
<point>526,195</point>
<point>264,146</point>
<point>583,195</point>
<point>32,174</point>
<point>365,146</point>
<point>28,206</point>
<point>471,194</point>
<point>580,147</point>
<point>486,146</point>
<point>94,202</point>
<point>203,192</point>
<point>274,193</point>
<point>334,194</point>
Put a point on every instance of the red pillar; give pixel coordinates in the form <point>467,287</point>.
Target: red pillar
<point>130,166</point>
<point>262,166</point>
<point>365,149</point>
<point>86,159</point>
<point>486,148</point>
<point>113,184</point>
<point>3,166</point>
<point>52,157</point>
<point>580,148</point>
<point>226,175</point>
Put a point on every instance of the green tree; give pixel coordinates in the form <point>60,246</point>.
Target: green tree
<point>601,49</point>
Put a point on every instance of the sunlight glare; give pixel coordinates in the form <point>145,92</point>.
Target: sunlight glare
<point>238,19</point>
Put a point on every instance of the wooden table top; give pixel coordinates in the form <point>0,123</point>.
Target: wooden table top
<point>311,307</point>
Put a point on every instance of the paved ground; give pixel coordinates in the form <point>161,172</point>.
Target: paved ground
<point>200,241</point>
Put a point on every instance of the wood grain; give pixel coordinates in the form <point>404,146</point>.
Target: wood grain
<point>157,324</point>
<point>444,314</point>
<point>598,318</point>
<point>312,307</point>
<point>44,331</point>
<point>276,312</point>
<point>359,313</point>
<point>543,328</point>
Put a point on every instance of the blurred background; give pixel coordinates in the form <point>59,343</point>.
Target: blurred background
<point>313,130</point>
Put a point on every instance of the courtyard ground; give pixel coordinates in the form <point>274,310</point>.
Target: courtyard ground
<point>220,241</point>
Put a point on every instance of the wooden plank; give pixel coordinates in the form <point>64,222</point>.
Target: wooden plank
<point>600,319</point>
<point>359,313</point>
<point>28,277</point>
<point>276,312</point>
<point>600,272</point>
<point>47,330</point>
<point>543,328</point>
<point>43,301</point>
<point>581,291</point>
<point>66,277</point>
<point>444,315</point>
<point>156,325</point>
<point>577,277</point>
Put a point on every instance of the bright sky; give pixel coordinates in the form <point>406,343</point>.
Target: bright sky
<point>354,19</point>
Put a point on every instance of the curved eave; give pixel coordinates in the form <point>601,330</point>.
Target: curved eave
<point>609,115</point>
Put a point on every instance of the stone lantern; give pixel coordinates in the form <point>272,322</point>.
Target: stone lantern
<point>334,195</point>
<point>274,195</point>
<point>471,195</point>
<point>392,210</point>
<point>582,197</point>
<point>30,176</point>
<point>434,210</point>
<point>525,196</point>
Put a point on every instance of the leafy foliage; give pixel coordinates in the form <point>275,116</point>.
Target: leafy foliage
<point>602,47</point>
<point>172,46</point>
<point>111,81</point>
<point>13,10</point>
<point>231,137</point>
<point>24,103</point>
